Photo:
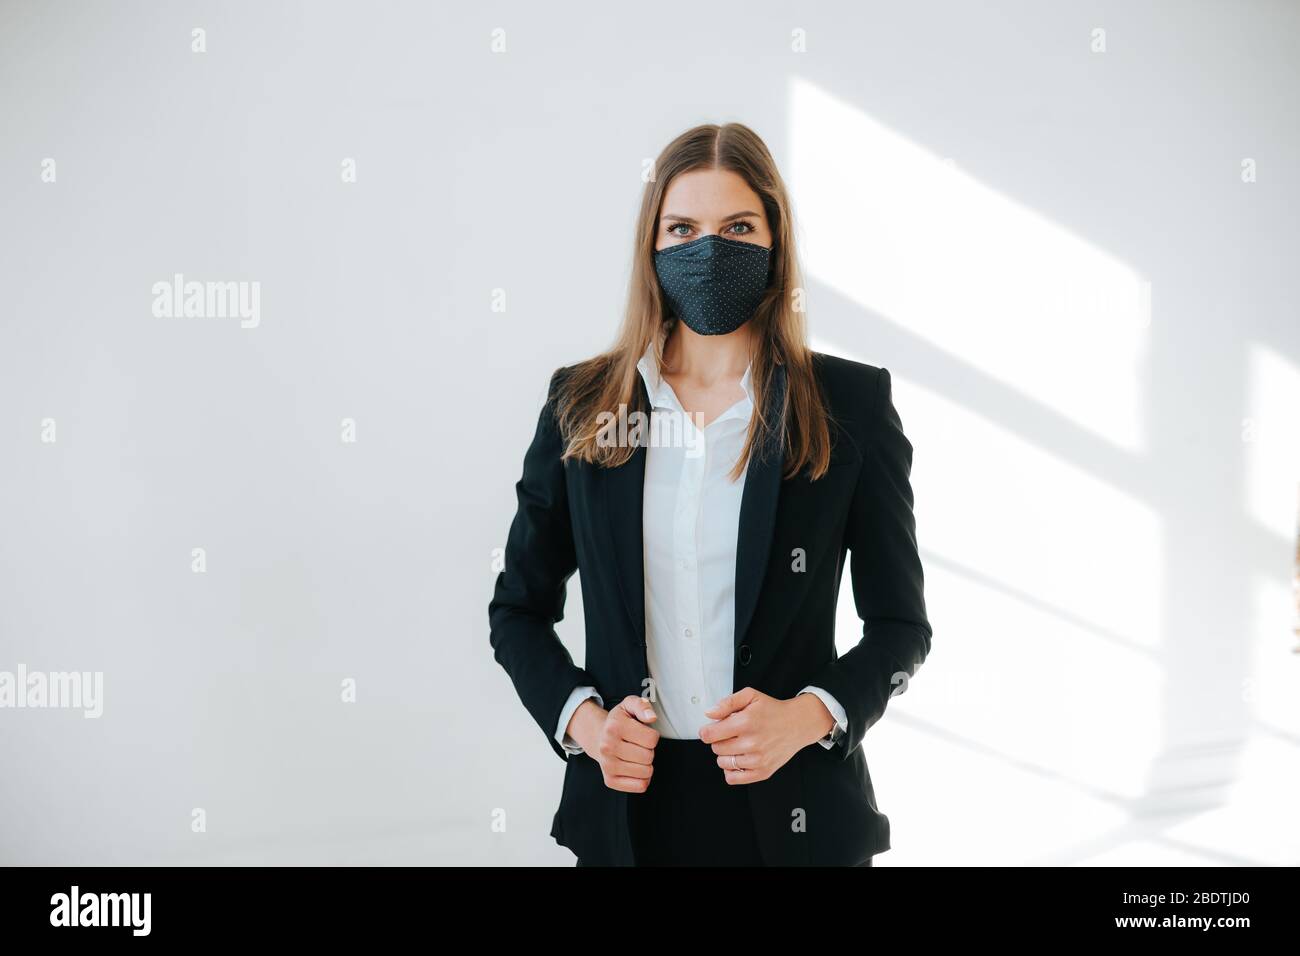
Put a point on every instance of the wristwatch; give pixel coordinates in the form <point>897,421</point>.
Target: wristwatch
<point>835,735</point>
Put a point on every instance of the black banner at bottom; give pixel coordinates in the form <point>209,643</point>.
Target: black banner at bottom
<point>334,905</point>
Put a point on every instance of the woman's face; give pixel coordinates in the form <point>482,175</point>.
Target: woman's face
<point>706,202</point>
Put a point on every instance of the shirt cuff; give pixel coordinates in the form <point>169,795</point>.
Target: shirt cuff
<point>575,700</point>
<point>833,705</point>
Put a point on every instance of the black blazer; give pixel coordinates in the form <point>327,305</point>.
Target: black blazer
<point>575,516</point>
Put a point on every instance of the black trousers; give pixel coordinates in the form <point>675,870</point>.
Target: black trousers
<point>690,815</point>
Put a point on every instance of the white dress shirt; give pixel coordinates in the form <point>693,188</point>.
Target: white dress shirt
<point>690,522</point>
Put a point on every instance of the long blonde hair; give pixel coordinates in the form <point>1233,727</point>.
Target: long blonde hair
<point>603,383</point>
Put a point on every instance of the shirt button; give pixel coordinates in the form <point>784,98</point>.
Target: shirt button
<point>687,631</point>
<point>695,700</point>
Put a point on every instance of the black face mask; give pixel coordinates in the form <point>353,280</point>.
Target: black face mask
<point>712,283</point>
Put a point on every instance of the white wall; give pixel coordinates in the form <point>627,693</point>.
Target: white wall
<point>1090,318</point>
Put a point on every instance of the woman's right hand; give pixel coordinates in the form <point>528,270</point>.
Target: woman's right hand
<point>620,740</point>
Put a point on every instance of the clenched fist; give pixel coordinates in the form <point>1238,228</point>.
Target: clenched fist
<point>620,740</point>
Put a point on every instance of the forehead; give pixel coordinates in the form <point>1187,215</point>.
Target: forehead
<point>708,193</point>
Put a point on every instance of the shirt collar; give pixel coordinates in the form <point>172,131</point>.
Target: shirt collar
<point>663,396</point>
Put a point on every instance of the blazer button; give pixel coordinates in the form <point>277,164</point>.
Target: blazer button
<point>744,655</point>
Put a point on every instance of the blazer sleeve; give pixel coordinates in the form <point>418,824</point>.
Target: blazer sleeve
<point>888,582</point>
<point>528,600</point>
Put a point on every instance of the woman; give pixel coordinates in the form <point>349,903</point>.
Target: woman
<point>707,476</point>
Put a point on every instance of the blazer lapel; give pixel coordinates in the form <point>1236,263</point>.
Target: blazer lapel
<point>623,491</point>
<point>758,509</point>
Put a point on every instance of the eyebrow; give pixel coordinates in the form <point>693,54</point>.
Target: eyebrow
<point>693,222</point>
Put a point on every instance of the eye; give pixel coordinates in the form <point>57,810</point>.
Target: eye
<point>671,230</point>
<point>747,226</point>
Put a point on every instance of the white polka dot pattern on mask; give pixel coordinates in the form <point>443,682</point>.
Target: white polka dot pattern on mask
<point>713,283</point>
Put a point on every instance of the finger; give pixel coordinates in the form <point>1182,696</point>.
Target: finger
<point>736,777</point>
<point>733,746</point>
<point>628,784</point>
<point>633,753</point>
<point>721,729</point>
<point>639,734</point>
<point>732,703</point>
<point>721,709</point>
<point>743,761</point>
<point>638,708</point>
<point>633,731</point>
<point>623,768</point>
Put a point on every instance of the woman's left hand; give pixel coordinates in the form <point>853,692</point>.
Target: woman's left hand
<point>755,735</point>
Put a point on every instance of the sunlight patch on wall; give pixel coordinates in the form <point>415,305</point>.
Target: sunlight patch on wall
<point>1269,689</point>
<point>1032,522</point>
<point>903,233</point>
<point>1270,430</point>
